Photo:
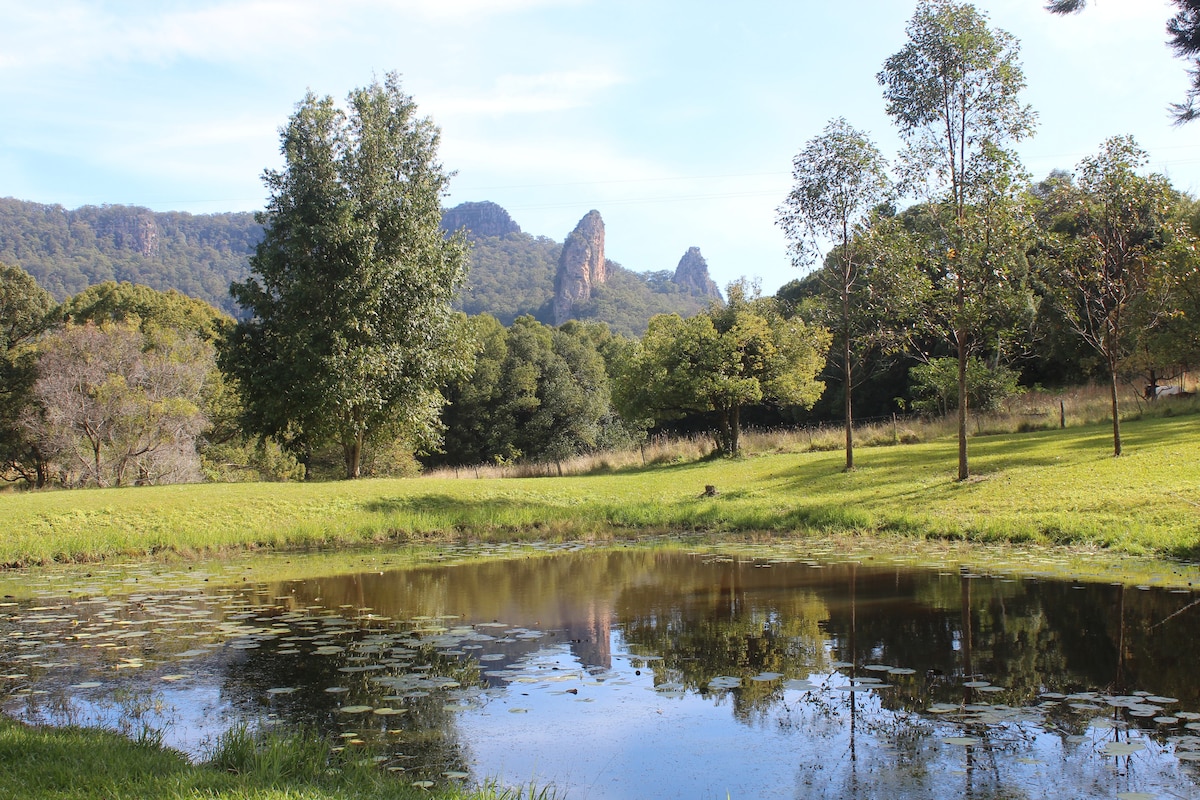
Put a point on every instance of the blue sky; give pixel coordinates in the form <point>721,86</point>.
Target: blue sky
<point>676,119</point>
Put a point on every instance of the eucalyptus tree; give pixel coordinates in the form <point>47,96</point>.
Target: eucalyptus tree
<point>350,331</point>
<point>1113,234</point>
<point>954,91</point>
<point>838,178</point>
<point>1184,39</point>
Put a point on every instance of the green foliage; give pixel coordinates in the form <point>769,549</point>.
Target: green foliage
<point>1109,260</point>
<point>935,385</point>
<point>24,315</point>
<point>68,251</point>
<point>351,332</point>
<point>147,308</point>
<point>115,406</point>
<point>720,361</point>
<point>535,394</point>
<point>953,92</point>
<point>511,276</point>
<point>839,178</point>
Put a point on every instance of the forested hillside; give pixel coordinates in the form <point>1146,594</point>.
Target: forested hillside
<point>69,250</point>
<point>512,273</point>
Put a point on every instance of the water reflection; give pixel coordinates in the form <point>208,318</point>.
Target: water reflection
<point>641,672</point>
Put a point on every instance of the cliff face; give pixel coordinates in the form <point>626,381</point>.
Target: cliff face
<point>480,219</point>
<point>580,267</point>
<point>692,274</point>
<point>131,228</point>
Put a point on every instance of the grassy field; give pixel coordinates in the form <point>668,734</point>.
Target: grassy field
<point>1048,486</point>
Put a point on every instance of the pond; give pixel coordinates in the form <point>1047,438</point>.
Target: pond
<point>643,672</point>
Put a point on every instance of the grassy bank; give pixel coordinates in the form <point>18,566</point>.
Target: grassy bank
<point>82,764</point>
<point>1048,486</point>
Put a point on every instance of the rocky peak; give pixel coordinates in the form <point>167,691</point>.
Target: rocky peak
<point>581,267</point>
<point>480,219</point>
<point>692,274</point>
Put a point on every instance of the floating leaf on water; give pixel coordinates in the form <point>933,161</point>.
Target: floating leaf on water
<point>798,685</point>
<point>901,671</point>
<point>977,684</point>
<point>943,708</point>
<point>355,709</point>
<point>1121,748</point>
<point>879,667</point>
<point>1162,701</point>
<point>423,784</point>
<point>337,689</point>
<point>282,690</point>
<point>388,712</point>
<point>456,775</point>
<point>86,685</point>
<point>1166,720</point>
<point>961,740</point>
<point>764,677</point>
<point>991,688</point>
<point>518,711</point>
<point>1188,755</point>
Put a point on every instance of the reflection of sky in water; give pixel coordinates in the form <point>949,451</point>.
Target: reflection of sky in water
<point>571,706</point>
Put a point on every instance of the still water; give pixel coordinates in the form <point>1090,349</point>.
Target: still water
<point>647,673</point>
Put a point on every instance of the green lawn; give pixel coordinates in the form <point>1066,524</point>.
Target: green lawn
<point>1056,487</point>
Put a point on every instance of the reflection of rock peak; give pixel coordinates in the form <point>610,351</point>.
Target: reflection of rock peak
<point>581,267</point>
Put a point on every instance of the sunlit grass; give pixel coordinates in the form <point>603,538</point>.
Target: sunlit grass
<point>82,764</point>
<point>1049,486</point>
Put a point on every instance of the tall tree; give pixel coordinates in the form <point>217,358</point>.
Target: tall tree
<point>1112,237</point>
<point>351,331</point>
<point>24,316</point>
<point>1183,31</point>
<point>837,179</point>
<point>953,92</point>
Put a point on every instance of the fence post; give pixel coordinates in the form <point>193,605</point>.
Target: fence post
<point>1062,414</point>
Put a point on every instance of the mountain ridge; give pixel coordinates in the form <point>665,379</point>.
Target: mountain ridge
<point>513,272</point>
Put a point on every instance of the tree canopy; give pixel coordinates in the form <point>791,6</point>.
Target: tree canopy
<point>351,331</point>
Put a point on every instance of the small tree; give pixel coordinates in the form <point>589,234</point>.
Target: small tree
<point>953,91</point>
<point>838,178</point>
<point>1112,237</point>
<point>116,407</point>
<point>351,331</point>
<point>720,361</point>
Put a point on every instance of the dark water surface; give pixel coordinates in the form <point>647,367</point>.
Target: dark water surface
<point>652,673</point>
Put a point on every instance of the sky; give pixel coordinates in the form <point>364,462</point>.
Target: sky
<point>677,119</point>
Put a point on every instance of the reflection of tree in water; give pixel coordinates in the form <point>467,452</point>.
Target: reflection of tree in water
<point>725,617</point>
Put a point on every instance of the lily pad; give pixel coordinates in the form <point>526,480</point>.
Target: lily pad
<point>965,741</point>
<point>1121,748</point>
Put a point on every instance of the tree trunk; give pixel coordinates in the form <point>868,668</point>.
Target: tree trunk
<point>1116,418</point>
<point>845,355</point>
<point>960,335</point>
<point>734,429</point>
<point>352,451</point>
